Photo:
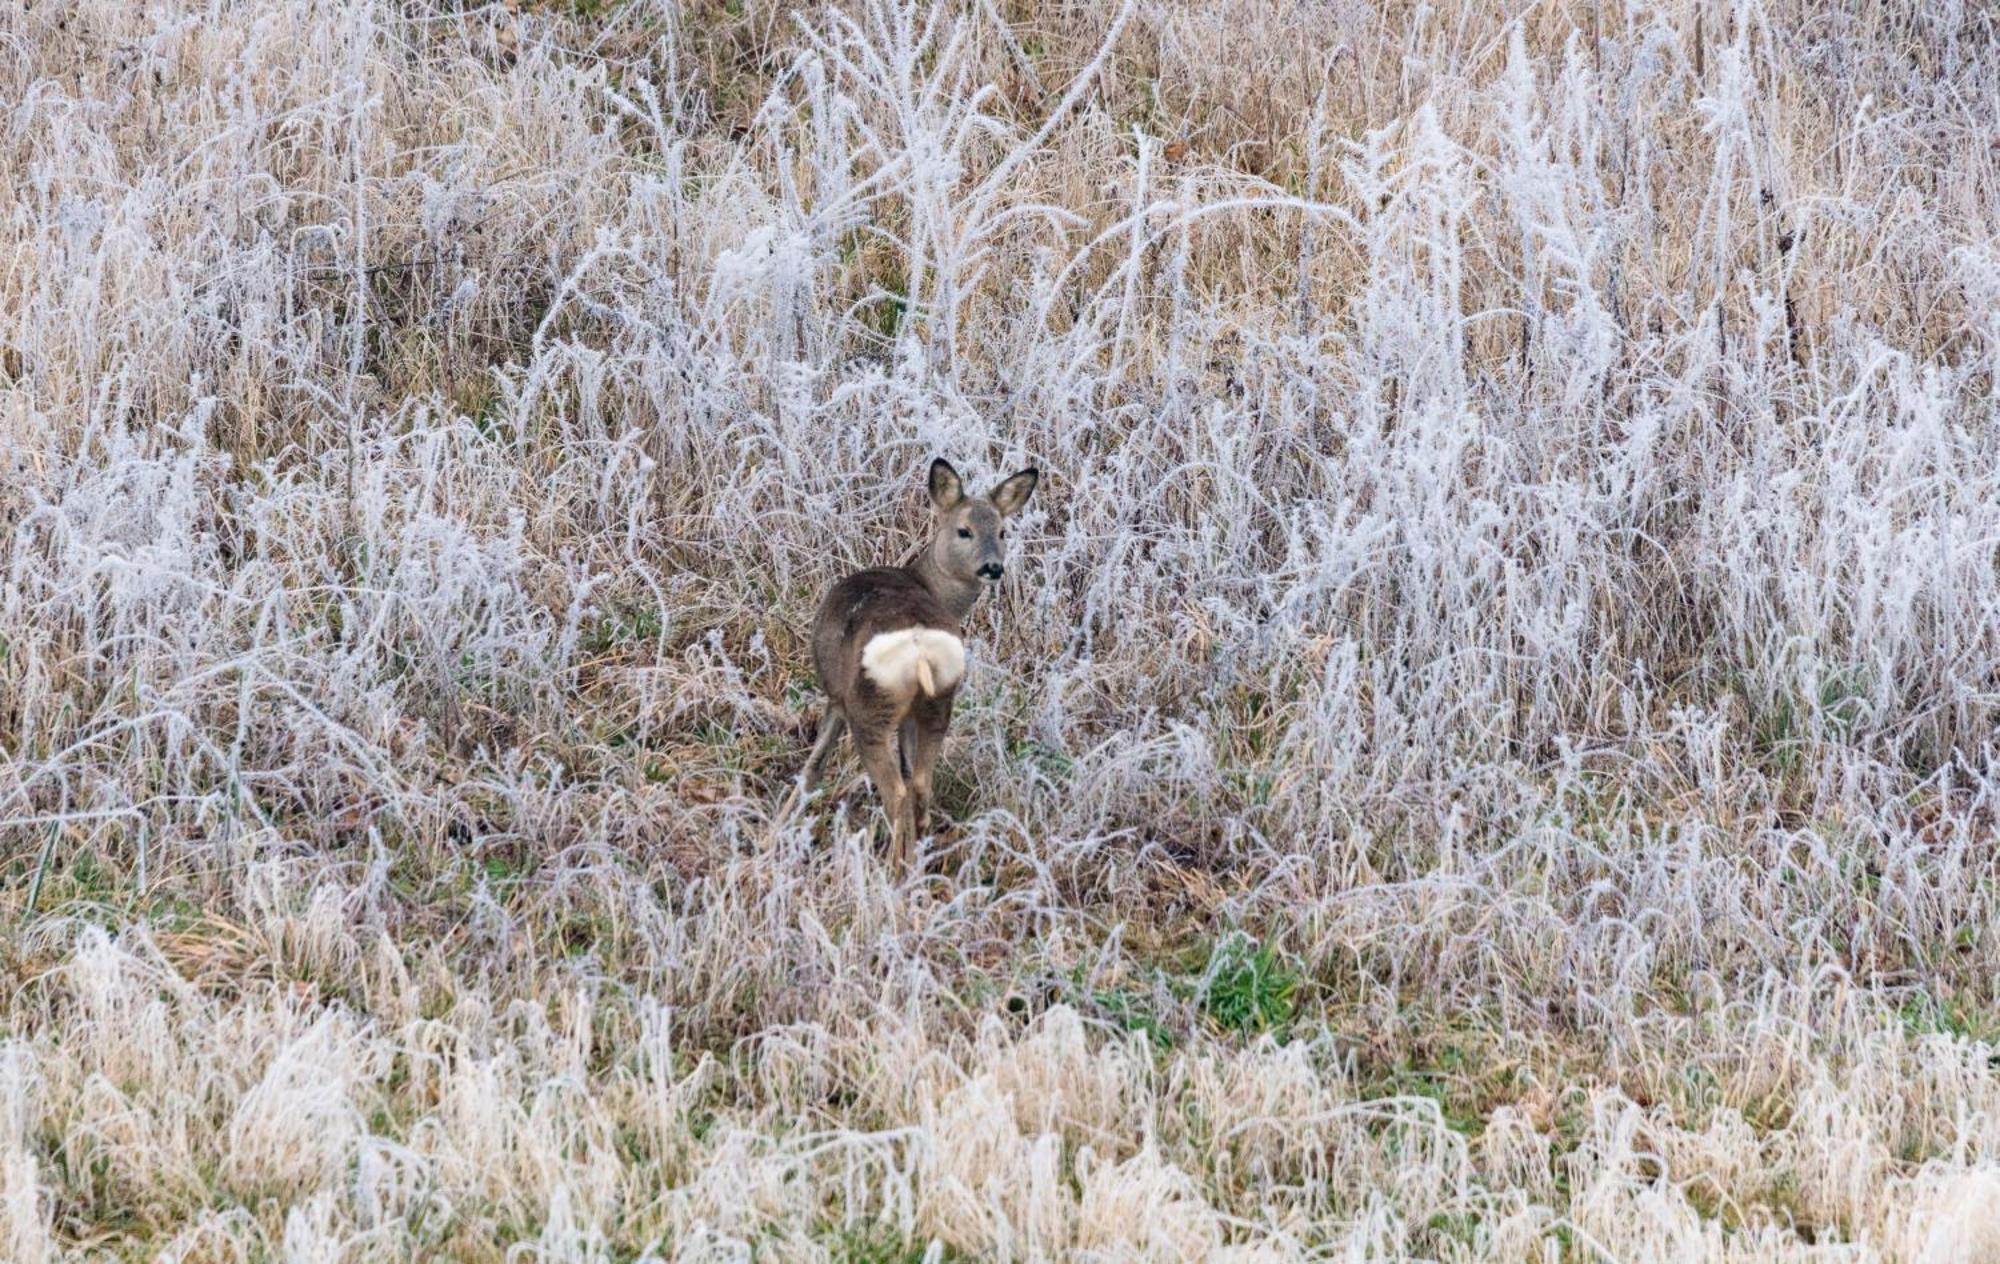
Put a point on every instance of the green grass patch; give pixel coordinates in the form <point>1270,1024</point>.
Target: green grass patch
<point>1248,988</point>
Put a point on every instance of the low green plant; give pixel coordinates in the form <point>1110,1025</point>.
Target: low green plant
<point>1249,988</point>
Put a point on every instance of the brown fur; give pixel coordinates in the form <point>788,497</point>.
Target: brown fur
<point>898,736</point>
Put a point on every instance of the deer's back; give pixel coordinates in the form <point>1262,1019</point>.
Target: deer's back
<point>888,617</point>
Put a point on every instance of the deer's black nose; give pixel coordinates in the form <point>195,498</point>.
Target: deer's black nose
<point>990,571</point>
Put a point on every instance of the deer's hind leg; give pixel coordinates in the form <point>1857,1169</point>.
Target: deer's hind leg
<point>881,757</point>
<point>923,739</point>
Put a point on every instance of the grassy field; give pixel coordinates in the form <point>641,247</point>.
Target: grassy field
<point>1485,750</point>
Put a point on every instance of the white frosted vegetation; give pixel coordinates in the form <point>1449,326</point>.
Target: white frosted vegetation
<point>1484,751</point>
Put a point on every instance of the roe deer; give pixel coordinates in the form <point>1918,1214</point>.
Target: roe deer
<point>886,644</point>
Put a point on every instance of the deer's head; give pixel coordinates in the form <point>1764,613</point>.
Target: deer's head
<point>970,544</point>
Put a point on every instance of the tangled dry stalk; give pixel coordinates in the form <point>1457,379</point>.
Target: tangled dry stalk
<point>1484,753</point>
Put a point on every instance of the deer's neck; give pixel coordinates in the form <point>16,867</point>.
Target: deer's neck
<point>956,595</point>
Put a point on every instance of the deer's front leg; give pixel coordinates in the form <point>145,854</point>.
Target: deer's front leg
<point>831,725</point>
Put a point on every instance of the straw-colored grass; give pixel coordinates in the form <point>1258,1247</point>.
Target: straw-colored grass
<point>1485,750</point>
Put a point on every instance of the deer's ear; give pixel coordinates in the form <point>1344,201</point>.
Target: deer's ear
<point>946,489</point>
<point>1012,494</point>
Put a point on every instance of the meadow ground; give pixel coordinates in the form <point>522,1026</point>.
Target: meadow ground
<point>1484,752</point>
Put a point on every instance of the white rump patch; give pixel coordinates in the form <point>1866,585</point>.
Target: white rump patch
<point>925,660</point>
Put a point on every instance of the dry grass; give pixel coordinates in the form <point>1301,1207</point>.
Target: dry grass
<point>1485,751</point>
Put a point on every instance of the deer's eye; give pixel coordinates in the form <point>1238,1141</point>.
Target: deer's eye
<point>965,533</point>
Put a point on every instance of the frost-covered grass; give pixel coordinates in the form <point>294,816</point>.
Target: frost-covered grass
<point>1485,750</point>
